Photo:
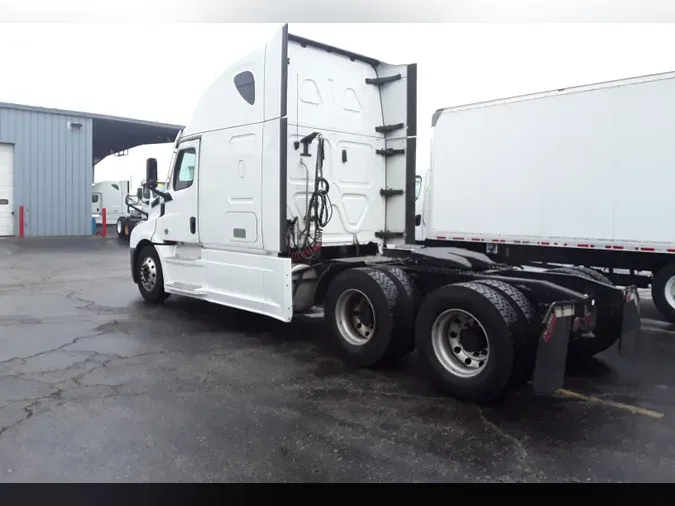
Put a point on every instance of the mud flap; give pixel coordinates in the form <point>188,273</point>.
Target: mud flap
<point>630,327</point>
<point>549,369</point>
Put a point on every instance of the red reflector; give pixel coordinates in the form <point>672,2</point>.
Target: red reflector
<point>647,249</point>
<point>550,328</point>
<point>576,324</point>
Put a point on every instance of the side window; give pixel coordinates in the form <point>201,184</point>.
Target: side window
<point>245,83</point>
<point>184,170</point>
<point>94,199</point>
<point>418,186</point>
<point>116,187</point>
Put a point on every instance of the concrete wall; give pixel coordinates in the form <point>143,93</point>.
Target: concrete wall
<point>53,170</point>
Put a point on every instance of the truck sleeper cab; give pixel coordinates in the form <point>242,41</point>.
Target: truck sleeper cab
<point>293,187</point>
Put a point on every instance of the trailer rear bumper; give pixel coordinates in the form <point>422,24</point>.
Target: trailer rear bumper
<point>551,355</point>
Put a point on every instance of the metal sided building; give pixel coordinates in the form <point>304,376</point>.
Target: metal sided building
<point>47,159</point>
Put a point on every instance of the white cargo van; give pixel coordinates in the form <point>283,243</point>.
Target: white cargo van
<point>293,186</point>
<point>580,176</point>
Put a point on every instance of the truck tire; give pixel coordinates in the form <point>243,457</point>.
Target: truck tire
<point>524,330</point>
<point>150,276</point>
<point>360,307</point>
<point>480,368</point>
<point>403,338</point>
<point>663,291</point>
<point>607,327</point>
<point>584,272</point>
<point>120,227</point>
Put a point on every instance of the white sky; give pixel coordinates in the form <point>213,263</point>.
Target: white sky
<point>157,72</point>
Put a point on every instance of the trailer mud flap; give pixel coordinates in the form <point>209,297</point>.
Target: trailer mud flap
<point>549,369</point>
<point>631,327</point>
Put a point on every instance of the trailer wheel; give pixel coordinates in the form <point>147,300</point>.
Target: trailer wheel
<point>524,330</point>
<point>403,338</point>
<point>607,327</point>
<point>359,307</point>
<point>120,227</point>
<point>150,276</point>
<point>663,291</point>
<point>584,272</point>
<point>465,341</point>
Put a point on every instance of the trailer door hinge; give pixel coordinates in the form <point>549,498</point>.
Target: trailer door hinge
<point>385,129</point>
<point>390,192</point>
<point>386,234</point>
<point>379,81</point>
<point>390,152</point>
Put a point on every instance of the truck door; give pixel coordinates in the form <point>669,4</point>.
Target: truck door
<point>179,222</point>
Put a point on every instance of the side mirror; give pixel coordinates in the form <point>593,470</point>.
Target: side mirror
<point>151,173</point>
<point>139,193</point>
<point>418,220</point>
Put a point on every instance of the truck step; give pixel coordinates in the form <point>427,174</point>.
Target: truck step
<point>193,261</point>
<point>385,129</point>
<point>379,81</point>
<point>186,288</point>
<point>390,152</point>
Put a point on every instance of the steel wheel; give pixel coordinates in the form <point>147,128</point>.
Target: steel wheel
<point>355,317</point>
<point>460,343</point>
<point>148,274</point>
<point>669,292</point>
<point>119,227</point>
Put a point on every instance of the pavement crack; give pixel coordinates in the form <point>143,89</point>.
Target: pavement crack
<point>52,350</point>
<point>523,455</point>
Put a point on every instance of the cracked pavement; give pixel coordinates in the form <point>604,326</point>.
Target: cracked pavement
<point>95,385</point>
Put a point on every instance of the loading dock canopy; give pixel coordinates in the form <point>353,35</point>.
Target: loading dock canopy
<point>113,134</point>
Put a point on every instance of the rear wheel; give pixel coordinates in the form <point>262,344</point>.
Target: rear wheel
<point>121,221</point>
<point>663,291</point>
<point>464,337</point>
<point>360,307</point>
<point>524,330</point>
<point>403,334</point>
<point>150,276</point>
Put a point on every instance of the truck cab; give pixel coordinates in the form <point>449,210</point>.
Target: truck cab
<point>297,147</point>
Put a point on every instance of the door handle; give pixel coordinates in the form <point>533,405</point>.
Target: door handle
<point>193,225</point>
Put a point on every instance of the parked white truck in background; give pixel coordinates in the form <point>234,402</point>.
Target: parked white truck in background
<point>137,207</point>
<point>109,195</point>
<point>293,187</point>
<point>580,176</point>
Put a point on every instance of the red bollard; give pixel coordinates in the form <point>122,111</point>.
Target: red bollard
<point>21,222</point>
<point>104,226</point>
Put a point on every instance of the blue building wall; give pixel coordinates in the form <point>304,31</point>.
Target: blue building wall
<point>53,170</point>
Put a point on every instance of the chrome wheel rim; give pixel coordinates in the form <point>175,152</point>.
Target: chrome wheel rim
<point>119,227</point>
<point>460,343</point>
<point>670,292</point>
<point>355,317</point>
<point>148,274</point>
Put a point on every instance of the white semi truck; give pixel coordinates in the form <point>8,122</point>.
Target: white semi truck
<point>580,176</point>
<point>111,196</point>
<point>293,187</point>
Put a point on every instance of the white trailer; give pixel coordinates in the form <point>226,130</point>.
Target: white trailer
<point>580,176</point>
<point>293,187</point>
<point>111,196</point>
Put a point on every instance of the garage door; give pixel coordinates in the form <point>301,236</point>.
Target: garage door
<point>6,189</point>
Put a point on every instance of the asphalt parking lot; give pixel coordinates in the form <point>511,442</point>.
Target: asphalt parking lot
<point>95,385</point>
